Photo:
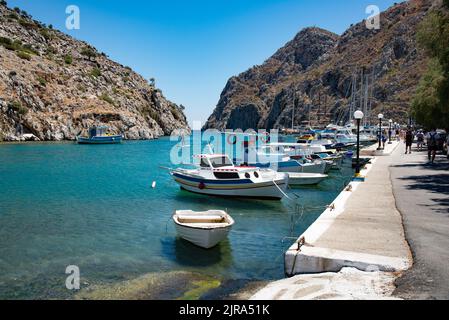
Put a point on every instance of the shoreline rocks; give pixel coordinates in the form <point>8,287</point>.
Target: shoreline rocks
<point>55,87</point>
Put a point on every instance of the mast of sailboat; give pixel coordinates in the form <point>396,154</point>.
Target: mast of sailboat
<point>370,96</point>
<point>295,98</point>
<point>362,90</point>
<point>319,108</point>
<point>353,96</point>
<point>365,108</point>
<point>310,107</point>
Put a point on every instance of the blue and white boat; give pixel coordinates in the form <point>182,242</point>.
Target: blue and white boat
<point>216,175</point>
<point>97,135</point>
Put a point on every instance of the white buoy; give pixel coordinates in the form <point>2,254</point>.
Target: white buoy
<point>154,184</point>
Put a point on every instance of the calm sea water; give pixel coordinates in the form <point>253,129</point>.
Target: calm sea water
<point>93,206</point>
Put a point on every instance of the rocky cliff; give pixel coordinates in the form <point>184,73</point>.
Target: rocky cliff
<point>55,87</point>
<point>312,76</point>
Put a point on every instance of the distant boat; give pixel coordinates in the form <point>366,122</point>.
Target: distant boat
<point>204,229</point>
<point>97,135</point>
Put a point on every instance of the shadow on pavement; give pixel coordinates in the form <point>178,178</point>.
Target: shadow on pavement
<point>441,164</point>
<point>434,183</point>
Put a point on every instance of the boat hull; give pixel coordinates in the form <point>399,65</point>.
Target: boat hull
<point>304,179</point>
<point>337,164</point>
<point>241,189</point>
<point>313,168</point>
<point>329,165</point>
<point>204,238</point>
<point>100,140</point>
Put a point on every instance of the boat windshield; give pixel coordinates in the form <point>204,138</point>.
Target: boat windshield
<point>204,164</point>
<point>220,162</point>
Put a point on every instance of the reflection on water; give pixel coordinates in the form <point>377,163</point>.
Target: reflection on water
<point>94,207</point>
<point>189,255</point>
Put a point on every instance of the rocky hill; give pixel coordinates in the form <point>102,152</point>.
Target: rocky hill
<point>55,87</point>
<point>312,75</point>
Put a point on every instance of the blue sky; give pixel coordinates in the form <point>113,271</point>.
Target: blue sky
<point>193,47</point>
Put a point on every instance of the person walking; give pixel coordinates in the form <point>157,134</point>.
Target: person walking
<point>432,144</point>
<point>447,143</point>
<point>409,141</point>
<point>420,139</point>
<point>384,139</point>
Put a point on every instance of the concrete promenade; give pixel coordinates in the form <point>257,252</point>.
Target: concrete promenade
<point>356,249</point>
<point>422,196</point>
<point>363,230</point>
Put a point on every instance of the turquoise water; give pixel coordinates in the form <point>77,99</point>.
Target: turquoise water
<point>93,206</point>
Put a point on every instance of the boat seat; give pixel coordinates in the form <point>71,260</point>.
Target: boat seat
<point>200,219</point>
<point>206,225</point>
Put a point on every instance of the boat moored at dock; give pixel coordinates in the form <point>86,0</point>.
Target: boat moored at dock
<point>203,229</point>
<point>216,175</point>
<point>275,157</point>
<point>305,179</point>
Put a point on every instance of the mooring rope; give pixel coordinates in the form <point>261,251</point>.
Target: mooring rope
<point>282,191</point>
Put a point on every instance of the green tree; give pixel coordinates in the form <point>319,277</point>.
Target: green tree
<point>428,106</point>
<point>88,52</point>
<point>68,59</point>
<point>431,101</point>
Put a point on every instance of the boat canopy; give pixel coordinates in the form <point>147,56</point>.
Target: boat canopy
<point>97,131</point>
<point>215,161</point>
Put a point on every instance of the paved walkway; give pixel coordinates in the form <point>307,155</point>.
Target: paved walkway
<point>422,196</point>
<point>364,230</point>
<point>355,250</point>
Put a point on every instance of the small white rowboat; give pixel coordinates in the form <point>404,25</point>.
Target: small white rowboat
<point>204,229</point>
<point>305,179</point>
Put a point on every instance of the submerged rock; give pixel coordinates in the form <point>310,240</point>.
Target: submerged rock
<point>154,286</point>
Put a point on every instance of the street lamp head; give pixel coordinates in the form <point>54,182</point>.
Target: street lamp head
<point>380,116</point>
<point>391,121</point>
<point>358,115</point>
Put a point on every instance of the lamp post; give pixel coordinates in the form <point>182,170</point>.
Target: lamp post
<point>358,115</point>
<point>380,117</point>
<point>390,131</point>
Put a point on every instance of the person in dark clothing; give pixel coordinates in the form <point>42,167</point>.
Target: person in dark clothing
<point>432,141</point>
<point>408,141</point>
<point>384,139</point>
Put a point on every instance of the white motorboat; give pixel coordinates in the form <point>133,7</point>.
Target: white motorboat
<point>305,179</point>
<point>368,135</point>
<point>204,229</point>
<point>274,157</point>
<point>346,137</point>
<point>312,166</point>
<point>337,160</point>
<point>321,157</point>
<point>216,175</point>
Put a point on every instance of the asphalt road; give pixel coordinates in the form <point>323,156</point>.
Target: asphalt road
<point>422,196</point>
